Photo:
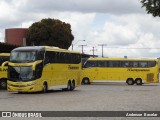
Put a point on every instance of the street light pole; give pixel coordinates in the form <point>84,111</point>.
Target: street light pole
<point>76,43</point>
<point>102,47</point>
<point>72,46</point>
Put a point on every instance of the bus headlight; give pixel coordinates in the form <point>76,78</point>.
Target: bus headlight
<point>30,84</point>
<point>9,84</point>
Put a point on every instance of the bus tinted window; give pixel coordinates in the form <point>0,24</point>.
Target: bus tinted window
<point>48,58</point>
<point>126,63</point>
<point>143,64</point>
<point>62,57</point>
<point>134,63</point>
<point>90,64</point>
<point>40,55</point>
<point>114,64</point>
<point>151,63</point>
<point>102,64</point>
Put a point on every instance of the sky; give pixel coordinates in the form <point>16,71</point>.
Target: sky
<point>123,26</point>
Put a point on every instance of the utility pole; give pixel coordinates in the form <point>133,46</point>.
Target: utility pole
<point>102,47</point>
<point>82,47</point>
<point>93,49</point>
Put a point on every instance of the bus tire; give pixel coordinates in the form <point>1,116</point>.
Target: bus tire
<point>86,81</point>
<point>45,87</point>
<point>130,81</point>
<point>73,85</point>
<point>3,84</point>
<point>138,81</point>
<point>69,86</point>
<point>20,92</point>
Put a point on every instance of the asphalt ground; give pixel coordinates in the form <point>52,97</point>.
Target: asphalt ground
<point>94,97</point>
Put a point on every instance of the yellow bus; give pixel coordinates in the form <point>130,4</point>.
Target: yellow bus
<point>42,68</point>
<point>131,71</point>
<point>3,70</point>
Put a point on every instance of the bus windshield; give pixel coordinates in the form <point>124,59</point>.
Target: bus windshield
<point>21,73</point>
<point>23,56</point>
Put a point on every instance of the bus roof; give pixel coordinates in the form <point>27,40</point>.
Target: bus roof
<point>4,54</point>
<point>127,59</point>
<point>43,48</point>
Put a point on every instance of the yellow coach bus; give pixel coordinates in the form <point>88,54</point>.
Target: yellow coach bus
<point>131,71</point>
<point>3,70</point>
<point>42,68</point>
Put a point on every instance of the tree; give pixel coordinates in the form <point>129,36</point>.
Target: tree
<point>152,7</point>
<point>51,32</point>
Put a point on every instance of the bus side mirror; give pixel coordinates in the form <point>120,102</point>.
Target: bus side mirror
<point>35,63</point>
<point>4,64</point>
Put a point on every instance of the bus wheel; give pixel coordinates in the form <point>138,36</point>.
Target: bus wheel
<point>85,81</point>
<point>138,81</point>
<point>44,90</point>
<point>3,84</point>
<point>73,85</point>
<point>69,86</point>
<point>130,81</point>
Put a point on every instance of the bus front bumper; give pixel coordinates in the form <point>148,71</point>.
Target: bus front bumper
<point>22,87</point>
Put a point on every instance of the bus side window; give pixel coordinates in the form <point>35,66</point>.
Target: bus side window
<point>65,58</point>
<point>90,64</point>
<point>142,64</point>
<point>135,64</point>
<point>61,57</point>
<point>58,57</point>
<point>55,57</point>
<point>69,58</point>
<point>86,64</point>
<point>102,64</point>
<point>48,58</point>
<point>73,58</point>
<point>125,64</point>
<point>76,59</point>
<point>79,58</point>
<point>40,55</point>
<point>110,64</point>
<point>114,64</point>
<point>39,70</point>
<point>93,64</point>
<point>151,63</point>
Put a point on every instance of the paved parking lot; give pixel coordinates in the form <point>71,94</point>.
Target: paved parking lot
<point>95,97</point>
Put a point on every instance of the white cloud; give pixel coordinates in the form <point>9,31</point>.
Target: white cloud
<point>117,23</point>
<point>127,31</point>
<point>86,6</point>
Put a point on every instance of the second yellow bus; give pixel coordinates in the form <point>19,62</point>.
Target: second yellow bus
<point>131,71</point>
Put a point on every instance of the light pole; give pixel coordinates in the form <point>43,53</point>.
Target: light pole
<point>76,43</point>
<point>102,47</point>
